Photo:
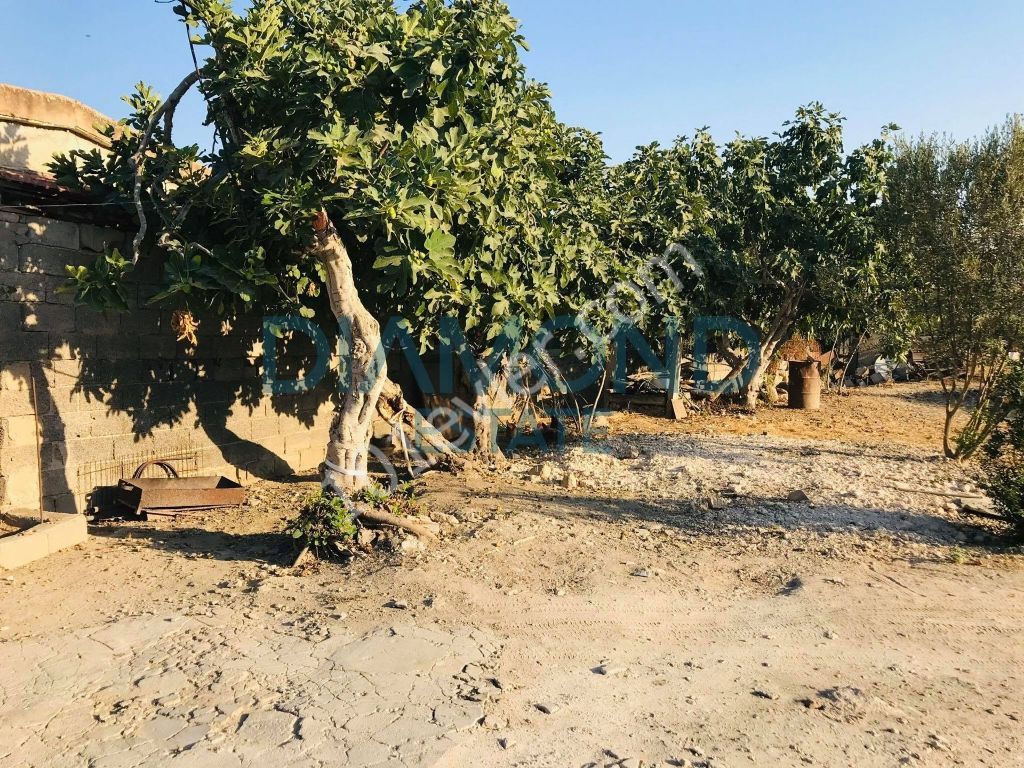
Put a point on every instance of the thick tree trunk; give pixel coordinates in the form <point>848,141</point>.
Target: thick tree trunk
<point>948,446</point>
<point>753,388</point>
<point>345,469</point>
<point>487,404</point>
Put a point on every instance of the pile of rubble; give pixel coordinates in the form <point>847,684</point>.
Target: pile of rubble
<point>884,371</point>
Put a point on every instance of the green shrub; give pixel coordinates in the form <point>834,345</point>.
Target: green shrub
<point>1003,462</point>
<point>400,502</point>
<point>324,520</point>
<point>1004,481</point>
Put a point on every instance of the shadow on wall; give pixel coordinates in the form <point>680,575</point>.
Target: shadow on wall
<point>108,383</point>
<point>13,147</point>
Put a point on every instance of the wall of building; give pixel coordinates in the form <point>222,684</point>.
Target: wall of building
<point>34,126</point>
<point>107,391</point>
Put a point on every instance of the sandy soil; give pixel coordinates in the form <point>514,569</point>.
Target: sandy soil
<point>675,607</point>
<point>904,414</point>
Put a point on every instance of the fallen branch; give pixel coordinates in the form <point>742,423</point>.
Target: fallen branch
<point>385,518</point>
<point>969,511</point>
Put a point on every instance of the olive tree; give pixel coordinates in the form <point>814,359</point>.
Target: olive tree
<point>955,222</point>
<point>400,160</point>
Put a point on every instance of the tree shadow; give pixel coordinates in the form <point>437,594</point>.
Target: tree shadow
<point>264,547</point>
<point>112,385</point>
<point>14,151</point>
<point>767,515</point>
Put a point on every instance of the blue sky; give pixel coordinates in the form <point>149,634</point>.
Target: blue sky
<point>635,70</point>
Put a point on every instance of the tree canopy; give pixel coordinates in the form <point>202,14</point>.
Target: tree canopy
<point>780,233</point>
<point>954,225</point>
<point>453,185</point>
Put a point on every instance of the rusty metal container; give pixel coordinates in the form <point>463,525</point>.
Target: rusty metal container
<point>172,494</point>
<point>805,385</point>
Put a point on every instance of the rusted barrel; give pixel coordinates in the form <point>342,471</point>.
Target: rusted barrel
<point>805,385</point>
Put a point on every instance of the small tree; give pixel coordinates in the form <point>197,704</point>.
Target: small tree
<point>779,228</point>
<point>400,159</point>
<point>956,223</point>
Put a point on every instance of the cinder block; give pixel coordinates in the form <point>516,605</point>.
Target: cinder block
<point>95,323</point>
<point>118,347</point>
<point>19,346</point>
<point>141,322</point>
<point>60,234</point>
<point>15,402</point>
<point>23,486</point>
<point>71,346</point>
<point>20,430</point>
<point>68,530</point>
<point>16,230</point>
<point>65,504</point>
<point>99,239</point>
<point>52,318</point>
<point>55,456</point>
<point>88,450</point>
<point>49,260</point>
<point>15,376</point>
<point>8,255</point>
<point>10,317</point>
<point>60,531</point>
<point>158,347</point>
<point>23,548</point>
<point>262,429</point>
<point>23,286</point>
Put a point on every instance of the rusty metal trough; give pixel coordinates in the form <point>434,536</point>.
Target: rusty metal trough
<point>172,494</point>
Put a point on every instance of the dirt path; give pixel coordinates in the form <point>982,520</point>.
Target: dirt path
<point>675,608</point>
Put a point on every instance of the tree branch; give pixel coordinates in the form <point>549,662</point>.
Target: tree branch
<point>165,111</point>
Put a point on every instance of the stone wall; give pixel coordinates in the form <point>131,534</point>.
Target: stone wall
<point>108,390</point>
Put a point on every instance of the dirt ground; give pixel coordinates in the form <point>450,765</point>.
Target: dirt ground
<point>788,589</point>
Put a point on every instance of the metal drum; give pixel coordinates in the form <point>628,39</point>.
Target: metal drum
<point>805,385</point>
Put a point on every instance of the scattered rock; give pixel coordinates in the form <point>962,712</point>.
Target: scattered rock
<point>547,708</point>
<point>412,544</point>
<point>642,573</point>
<point>398,605</point>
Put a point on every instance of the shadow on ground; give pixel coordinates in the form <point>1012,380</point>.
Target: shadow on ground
<point>748,515</point>
<point>266,547</point>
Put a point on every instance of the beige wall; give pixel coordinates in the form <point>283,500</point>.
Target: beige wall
<point>34,126</point>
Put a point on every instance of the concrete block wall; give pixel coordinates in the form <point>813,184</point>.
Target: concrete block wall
<point>105,389</point>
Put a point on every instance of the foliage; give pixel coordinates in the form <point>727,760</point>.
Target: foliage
<point>324,520</point>
<point>779,233</point>
<point>1003,456</point>
<point>454,186</point>
<point>954,227</point>
<point>400,502</point>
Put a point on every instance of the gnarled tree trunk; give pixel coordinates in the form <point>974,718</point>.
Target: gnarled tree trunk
<point>345,469</point>
<point>487,402</point>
